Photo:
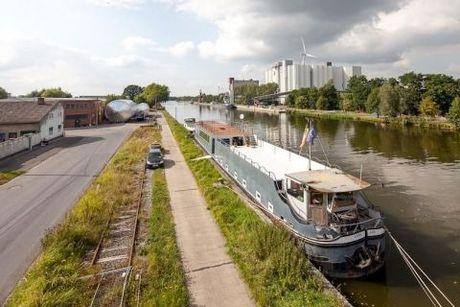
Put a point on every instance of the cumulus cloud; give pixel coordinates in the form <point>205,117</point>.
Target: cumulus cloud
<point>182,48</point>
<point>376,33</point>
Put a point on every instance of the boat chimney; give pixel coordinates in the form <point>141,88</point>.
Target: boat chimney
<point>41,100</point>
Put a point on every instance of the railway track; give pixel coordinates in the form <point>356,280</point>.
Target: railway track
<point>114,253</point>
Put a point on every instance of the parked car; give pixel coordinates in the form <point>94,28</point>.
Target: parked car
<point>154,159</point>
<point>155,146</point>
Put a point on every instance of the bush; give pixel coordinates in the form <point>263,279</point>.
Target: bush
<point>389,100</point>
<point>454,112</point>
<point>428,107</point>
<point>301,102</point>
<point>321,103</point>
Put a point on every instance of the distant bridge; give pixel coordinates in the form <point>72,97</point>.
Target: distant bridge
<point>271,96</point>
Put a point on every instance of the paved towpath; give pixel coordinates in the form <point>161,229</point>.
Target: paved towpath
<point>37,200</point>
<point>212,278</point>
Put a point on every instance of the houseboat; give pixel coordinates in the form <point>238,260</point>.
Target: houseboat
<point>341,232</point>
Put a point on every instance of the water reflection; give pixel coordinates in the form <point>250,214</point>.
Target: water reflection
<point>416,183</point>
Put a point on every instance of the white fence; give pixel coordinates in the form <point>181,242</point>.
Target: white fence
<point>13,146</point>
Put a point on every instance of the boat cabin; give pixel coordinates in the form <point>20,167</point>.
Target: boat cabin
<point>324,196</point>
<point>212,131</point>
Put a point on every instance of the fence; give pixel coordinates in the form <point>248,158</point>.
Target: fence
<point>13,146</point>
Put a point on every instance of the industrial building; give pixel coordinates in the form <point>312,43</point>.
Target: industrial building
<point>233,84</point>
<point>290,76</point>
<point>81,112</point>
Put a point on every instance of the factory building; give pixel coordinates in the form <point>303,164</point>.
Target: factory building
<point>290,76</point>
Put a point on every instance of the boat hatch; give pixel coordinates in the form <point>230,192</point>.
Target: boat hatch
<point>329,180</point>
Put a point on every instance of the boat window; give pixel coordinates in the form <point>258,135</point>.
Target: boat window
<point>237,141</point>
<point>244,183</point>
<point>296,190</point>
<point>270,207</point>
<point>258,197</point>
<point>226,141</point>
<point>204,136</point>
<point>235,174</point>
<point>316,198</point>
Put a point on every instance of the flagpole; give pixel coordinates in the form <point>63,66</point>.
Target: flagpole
<point>309,148</point>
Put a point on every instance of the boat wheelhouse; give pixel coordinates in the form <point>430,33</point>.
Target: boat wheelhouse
<point>189,124</point>
<point>340,230</point>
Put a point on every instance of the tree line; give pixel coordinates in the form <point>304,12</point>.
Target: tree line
<point>151,94</point>
<point>409,94</point>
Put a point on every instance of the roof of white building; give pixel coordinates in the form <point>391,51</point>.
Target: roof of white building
<point>14,111</point>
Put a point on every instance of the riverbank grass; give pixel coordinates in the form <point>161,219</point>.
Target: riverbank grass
<point>275,269</point>
<point>54,278</point>
<point>163,280</point>
<point>6,176</point>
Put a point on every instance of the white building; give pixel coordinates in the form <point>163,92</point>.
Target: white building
<point>290,76</point>
<point>37,116</point>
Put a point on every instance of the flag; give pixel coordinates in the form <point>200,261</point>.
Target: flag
<point>304,139</point>
<point>312,134</point>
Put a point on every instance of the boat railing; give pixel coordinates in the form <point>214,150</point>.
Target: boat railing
<point>352,228</point>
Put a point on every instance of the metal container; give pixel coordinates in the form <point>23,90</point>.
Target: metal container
<point>120,110</point>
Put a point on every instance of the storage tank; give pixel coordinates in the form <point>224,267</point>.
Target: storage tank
<point>120,110</point>
<point>142,109</point>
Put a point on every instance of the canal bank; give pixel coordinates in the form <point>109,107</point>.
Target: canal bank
<point>399,121</point>
<point>275,269</point>
<point>212,276</point>
<point>415,174</point>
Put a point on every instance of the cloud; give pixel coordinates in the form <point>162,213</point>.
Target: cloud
<point>182,48</point>
<point>129,4</point>
<point>136,43</point>
<point>386,35</point>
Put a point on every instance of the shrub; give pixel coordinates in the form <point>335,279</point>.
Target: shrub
<point>454,112</point>
<point>428,107</point>
<point>301,102</point>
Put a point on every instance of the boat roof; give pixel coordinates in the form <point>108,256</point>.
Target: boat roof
<point>329,180</point>
<point>221,129</point>
<point>276,160</point>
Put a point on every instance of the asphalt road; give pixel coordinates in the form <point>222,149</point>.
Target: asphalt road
<point>36,201</point>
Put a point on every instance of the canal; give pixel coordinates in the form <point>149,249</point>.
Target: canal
<point>415,176</point>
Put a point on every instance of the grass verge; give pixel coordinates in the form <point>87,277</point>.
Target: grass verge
<point>163,279</point>
<point>6,176</point>
<point>53,280</point>
<point>275,269</point>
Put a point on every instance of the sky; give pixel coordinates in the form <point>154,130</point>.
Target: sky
<point>96,47</point>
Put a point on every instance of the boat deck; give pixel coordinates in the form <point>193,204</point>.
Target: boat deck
<point>277,160</point>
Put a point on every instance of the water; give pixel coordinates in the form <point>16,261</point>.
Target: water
<point>416,183</point>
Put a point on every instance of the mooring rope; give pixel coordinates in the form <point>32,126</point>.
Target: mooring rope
<point>416,270</point>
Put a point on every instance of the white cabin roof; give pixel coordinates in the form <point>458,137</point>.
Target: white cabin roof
<point>329,181</point>
<point>276,160</point>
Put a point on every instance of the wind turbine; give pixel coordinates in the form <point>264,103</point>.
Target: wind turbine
<point>304,55</point>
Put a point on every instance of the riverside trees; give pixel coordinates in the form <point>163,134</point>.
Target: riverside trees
<point>409,94</point>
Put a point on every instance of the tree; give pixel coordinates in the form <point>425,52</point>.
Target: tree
<point>54,93</point>
<point>389,100</point>
<point>33,94</point>
<point>359,88</point>
<point>301,102</point>
<point>428,107</point>
<point>155,93</point>
<point>321,103</point>
<point>410,100</point>
<point>329,93</point>
<point>3,93</point>
<point>291,98</point>
<point>347,102</point>
<point>454,112</point>
<point>373,101</point>
<point>442,89</point>
<point>112,97</point>
<point>132,91</point>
